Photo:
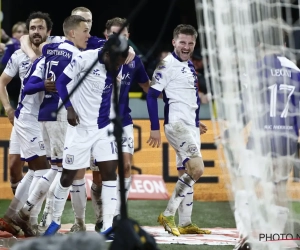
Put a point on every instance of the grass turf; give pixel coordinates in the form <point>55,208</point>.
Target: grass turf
<point>205,214</point>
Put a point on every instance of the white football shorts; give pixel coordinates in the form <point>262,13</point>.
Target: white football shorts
<point>128,139</point>
<point>30,137</point>
<point>127,144</point>
<point>14,145</point>
<point>54,133</point>
<point>79,144</point>
<point>185,140</point>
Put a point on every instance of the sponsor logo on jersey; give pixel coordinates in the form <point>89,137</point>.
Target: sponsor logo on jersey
<point>96,72</point>
<point>158,76</point>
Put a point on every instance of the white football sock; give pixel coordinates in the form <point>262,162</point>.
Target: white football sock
<point>108,195</point>
<point>78,199</point>
<point>60,197</point>
<point>40,190</point>
<point>127,182</point>
<point>21,194</point>
<point>97,201</point>
<point>47,214</point>
<point>185,209</point>
<point>183,185</point>
<point>35,212</point>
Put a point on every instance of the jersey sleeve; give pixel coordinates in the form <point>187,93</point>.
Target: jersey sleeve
<point>161,76</point>
<point>12,66</point>
<point>75,67</point>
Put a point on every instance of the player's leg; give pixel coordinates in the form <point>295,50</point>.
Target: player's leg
<point>37,207</point>
<point>185,225</point>
<point>15,162</point>
<point>184,141</point>
<point>96,189</point>
<point>78,144</point>
<point>78,200</point>
<point>105,155</point>
<point>55,132</point>
<point>32,145</point>
<point>128,150</point>
<point>17,202</point>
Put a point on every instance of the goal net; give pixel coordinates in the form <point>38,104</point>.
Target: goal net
<point>250,56</point>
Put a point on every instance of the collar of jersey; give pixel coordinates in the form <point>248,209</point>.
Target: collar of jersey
<point>177,57</point>
<point>69,42</point>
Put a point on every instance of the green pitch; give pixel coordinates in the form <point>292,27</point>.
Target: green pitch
<point>205,214</point>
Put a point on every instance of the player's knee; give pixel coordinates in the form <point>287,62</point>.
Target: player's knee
<point>15,167</point>
<point>127,168</point>
<point>108,176</point>
<point>67,177</point>
<point>97,178</point>
<point>80,174</point>
<point>65,181</point>
<point>195,167</point>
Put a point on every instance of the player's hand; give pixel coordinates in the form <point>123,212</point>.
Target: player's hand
<point>10,115</point>
<point>50,85</point>
<point>131,55</point>
<point>154,139</point>
<point>203,128</point>
<point>72,117</point>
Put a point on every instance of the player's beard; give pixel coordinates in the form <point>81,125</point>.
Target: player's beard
<point>36,42</point>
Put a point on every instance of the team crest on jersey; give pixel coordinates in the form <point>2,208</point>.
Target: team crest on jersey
<point>131,65</point>
<point>42,145</point>
<point>192,148</point>
<point>158,76</point>
<point>69,159</point>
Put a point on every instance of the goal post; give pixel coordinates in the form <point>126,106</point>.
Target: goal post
<point>250,57</point>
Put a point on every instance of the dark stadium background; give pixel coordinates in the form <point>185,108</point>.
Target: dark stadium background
<point>144,30</point>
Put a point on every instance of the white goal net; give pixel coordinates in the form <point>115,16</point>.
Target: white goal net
<point>250,50</point>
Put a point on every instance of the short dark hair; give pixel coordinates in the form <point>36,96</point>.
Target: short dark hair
<point>40,15</point>
<point>185,29</point>
<point>71,22</point>
<point>114,41</point>
<point>116,21</point>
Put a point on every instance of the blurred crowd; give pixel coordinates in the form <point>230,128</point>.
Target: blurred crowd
<point>10,43</point>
